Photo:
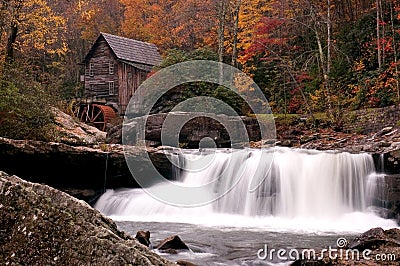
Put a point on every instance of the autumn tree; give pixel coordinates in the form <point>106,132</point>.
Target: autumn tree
<point>85,19</point>
<point>32,47</point>
<point>30,27</point>
<point>179,24</point>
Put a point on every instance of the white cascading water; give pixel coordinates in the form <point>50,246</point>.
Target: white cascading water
<point>300,190</point>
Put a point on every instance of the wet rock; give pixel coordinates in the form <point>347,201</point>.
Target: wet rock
<point>383,249</point>
<point>286,143</point>
<point>383,212</point>
<point>384,144</point>
<point>306,139</point>
<point>185,263</point>
<point>78,168</point>
<point>169,251</point>
<point>88,195</point>
<point>43,226</point>
<point>369,240</point>
<point>143,237</point>
<point>172,243</point>
<point>392,161</point>
<point>384,131</point>
<point>114,135</point>
<point>295,132</point>
<point>392,195</point>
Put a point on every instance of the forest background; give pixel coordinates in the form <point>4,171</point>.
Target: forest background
<point>307,56</point>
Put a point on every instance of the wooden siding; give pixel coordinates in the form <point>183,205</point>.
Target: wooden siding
<point>130,79</point>
<point>126,78</point>
<point>98,84</point>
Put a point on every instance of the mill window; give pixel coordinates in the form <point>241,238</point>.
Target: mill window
<point>111,88</point>
<point>91,69</point>
<point>111,68</point>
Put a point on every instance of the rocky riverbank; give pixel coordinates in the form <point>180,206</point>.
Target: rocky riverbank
<point>384,142</point>
<point>83,171</point>
<point>43,226</point>
<point>197,126</point>
<point>84,166</point>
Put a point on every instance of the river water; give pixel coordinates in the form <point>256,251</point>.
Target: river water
<point>231,245</point>
<point>235,203</point>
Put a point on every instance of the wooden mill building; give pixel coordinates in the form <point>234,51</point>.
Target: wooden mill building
<point>114,69</point>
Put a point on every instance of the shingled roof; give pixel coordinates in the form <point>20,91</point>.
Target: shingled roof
<point>132,51</point>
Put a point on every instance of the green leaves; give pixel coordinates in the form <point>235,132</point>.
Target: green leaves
<point>25,113</point>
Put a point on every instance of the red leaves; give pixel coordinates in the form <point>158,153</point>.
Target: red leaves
<point>268,37</point>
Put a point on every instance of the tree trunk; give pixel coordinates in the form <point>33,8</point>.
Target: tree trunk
<point>395,52</point>
<point>235,32</point>
<point>13,33</point>
<point>383,34</point>
<point>221,37</point>
<point>378,39</point>
<point>3,16</point>
<point>329,58</point>
<point>221,29</point>
<point>329,41</point>
<point>324,69</point>
<point>11,42</point>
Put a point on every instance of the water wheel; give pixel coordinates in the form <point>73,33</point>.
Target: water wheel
<point>97,115</point>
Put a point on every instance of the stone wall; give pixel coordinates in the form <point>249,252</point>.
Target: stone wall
<point>372,120</point>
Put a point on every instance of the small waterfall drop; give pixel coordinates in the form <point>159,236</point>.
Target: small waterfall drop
<point>380,168</point>
<point>299,187</point>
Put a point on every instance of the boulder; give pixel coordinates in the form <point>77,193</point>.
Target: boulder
<point>185,263</point>
<point>43,226</point>
<point>114,135</point>
<point>382,246</point>
<point>143,237</point>
<point>73,132</point>
<point>376,238</point>
<point>172,243</point>
<point>368,240</point>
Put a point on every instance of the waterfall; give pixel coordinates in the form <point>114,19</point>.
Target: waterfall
<point>380,165</point>
<point>298,184</point>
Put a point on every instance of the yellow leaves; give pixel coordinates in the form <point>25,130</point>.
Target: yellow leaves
<point>359,66</point>
<point>86,18</point>
<point>38,26</point>
<point>87,15</point>
<point>171,24</point>
<point>249,69</point>
<point>243,83</point>
<point>318,99</point>
<point>188,24</point>
<point>354,88</point>
<point>250,14</point>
